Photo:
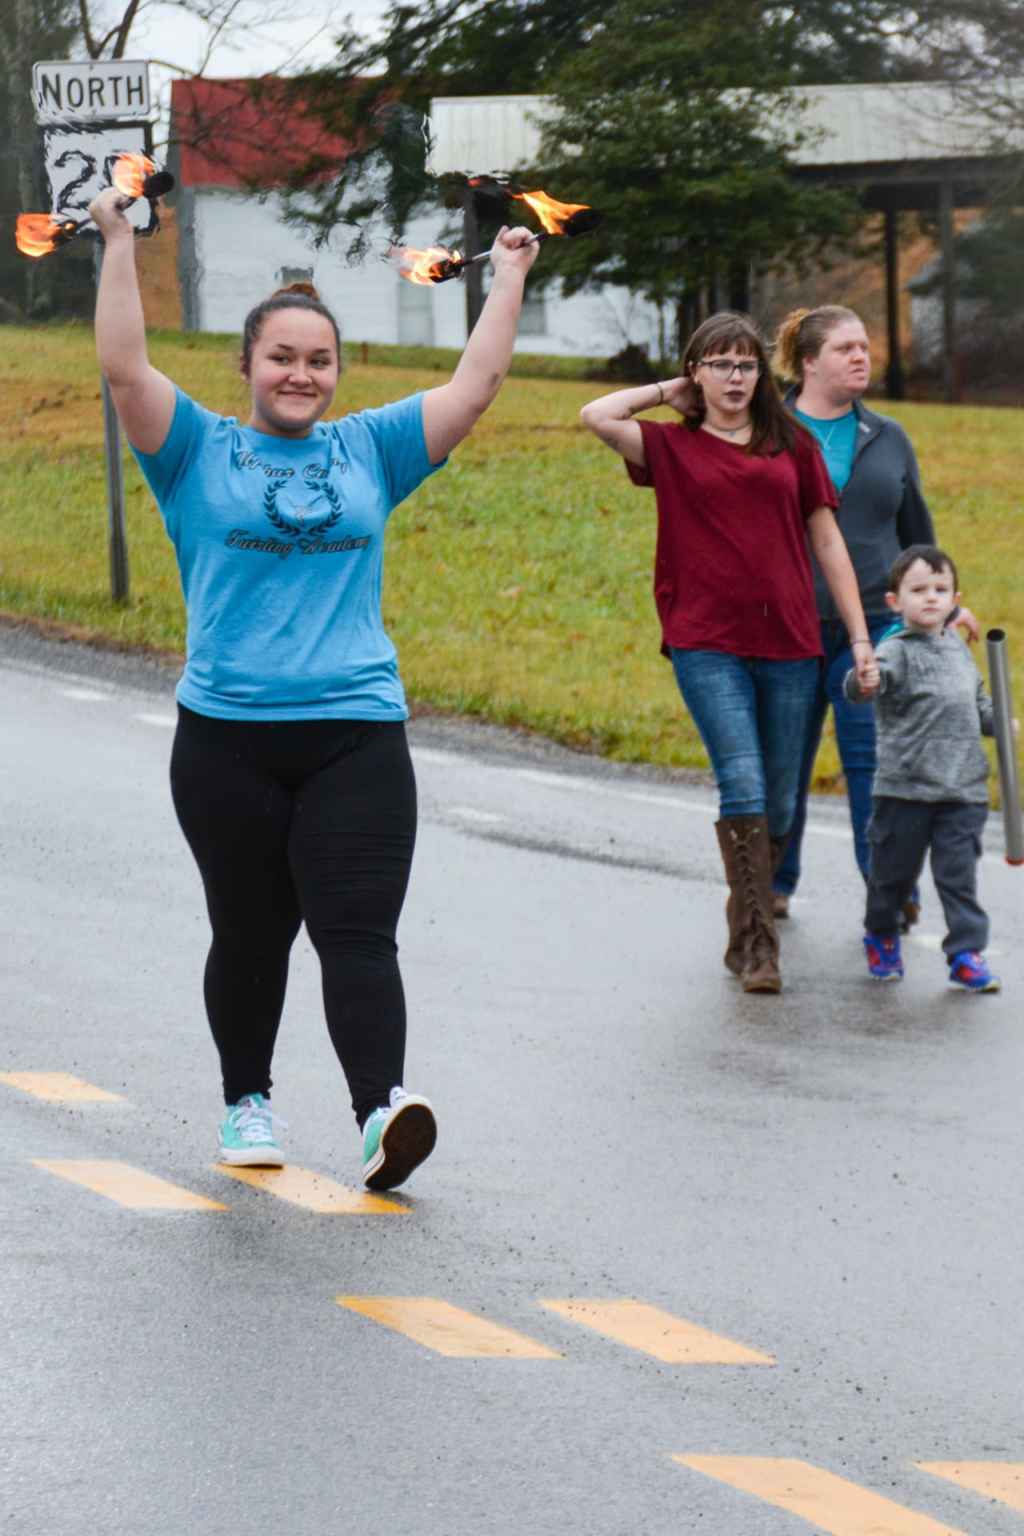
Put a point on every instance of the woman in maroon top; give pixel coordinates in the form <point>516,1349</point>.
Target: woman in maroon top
<point>741,491</point>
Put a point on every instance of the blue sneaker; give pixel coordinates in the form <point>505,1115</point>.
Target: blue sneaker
<point>884,959</point>
<point>969,969</point>
<point>397,1137</point>
<point>247,1134</point>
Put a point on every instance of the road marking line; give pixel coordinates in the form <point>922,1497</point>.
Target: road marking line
<point>127,1186</point>
<point>313,1191</point>
<point>470,813</point>
<point>657,1333</point>
<point>827,1502</point>
<point>164,720</point>
<point>1002,1481</point>
<point>447,1330</point>
<point>86,695</point>
<point>59,1088</point>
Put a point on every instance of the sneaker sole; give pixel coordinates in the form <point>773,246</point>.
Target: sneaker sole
<point>407,1140</point>
<point>251,1157</point>
<point>893,976</point>
<point>965,986</point>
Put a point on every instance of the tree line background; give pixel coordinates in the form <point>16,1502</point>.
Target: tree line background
<point>667,116</point>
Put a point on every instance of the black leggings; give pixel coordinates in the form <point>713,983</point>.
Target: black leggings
<point>301,821</point>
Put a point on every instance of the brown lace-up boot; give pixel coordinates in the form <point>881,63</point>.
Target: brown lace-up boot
<point>753,948</point>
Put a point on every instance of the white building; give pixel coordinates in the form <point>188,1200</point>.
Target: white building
<point>234,247</point>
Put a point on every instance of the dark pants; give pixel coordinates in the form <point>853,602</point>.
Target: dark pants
<point>301,821</point>
<point>901,832</point>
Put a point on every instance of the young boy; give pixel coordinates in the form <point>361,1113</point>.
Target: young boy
<point>931,785</point>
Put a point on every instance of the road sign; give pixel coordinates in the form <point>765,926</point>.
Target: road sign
<point>91,90</point>
<point>78,161</point>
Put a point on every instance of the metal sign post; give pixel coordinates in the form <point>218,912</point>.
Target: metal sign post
<point>80,105</point>
<point>117,536</point>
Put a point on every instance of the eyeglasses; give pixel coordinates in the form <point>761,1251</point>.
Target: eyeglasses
<point>725,367</point>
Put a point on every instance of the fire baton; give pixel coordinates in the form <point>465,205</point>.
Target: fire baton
<point>1006,745</point>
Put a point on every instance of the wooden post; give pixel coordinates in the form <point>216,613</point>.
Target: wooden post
<point>949,389</point>
<point>894,383</point>
<point>474,275</point>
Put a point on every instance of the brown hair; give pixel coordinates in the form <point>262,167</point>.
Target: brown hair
<point>936,559</point>
<point>774,430</point>
<point>295,296</point>
<point>802,335</point>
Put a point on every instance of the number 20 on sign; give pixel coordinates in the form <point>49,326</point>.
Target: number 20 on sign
<point>79,161</point>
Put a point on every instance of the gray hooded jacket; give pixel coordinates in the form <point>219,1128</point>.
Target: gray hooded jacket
<point>930,713</point>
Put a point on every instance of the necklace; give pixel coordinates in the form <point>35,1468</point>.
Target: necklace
<point>728,431</point>
<point>823,437</point>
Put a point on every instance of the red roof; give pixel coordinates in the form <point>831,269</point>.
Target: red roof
<point>237,133</point>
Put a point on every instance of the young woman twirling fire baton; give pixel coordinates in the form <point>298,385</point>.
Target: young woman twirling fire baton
<point>290,770</point>
<point>741,490</point>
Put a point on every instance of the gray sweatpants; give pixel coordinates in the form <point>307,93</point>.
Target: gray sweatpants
<point>901,833</point>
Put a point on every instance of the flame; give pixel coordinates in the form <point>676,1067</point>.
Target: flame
<point>37,234</point>
<point>553,215</point>
<point>130,172</point>
<point>434,265</point>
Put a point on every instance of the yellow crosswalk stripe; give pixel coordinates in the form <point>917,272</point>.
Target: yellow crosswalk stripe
<point>314,1191</point>
<point>59,1088</point>
<point>657,1333</point>
<point>827,1502</point>
<point>447,1330</point>
<point>128,1186</point>
<point>999,1480</point>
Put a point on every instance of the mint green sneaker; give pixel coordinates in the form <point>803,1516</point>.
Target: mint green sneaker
<point>397,1137</point>
<point>247,1134</point>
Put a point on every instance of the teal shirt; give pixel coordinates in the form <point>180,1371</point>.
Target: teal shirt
<point>280,547</point>
<point>838,440</point>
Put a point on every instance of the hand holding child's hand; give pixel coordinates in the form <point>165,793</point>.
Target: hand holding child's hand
<point>868,675</point>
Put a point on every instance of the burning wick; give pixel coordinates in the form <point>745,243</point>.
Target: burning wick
<point>136,176</point>
<point>438,264</point>
<point>37,234</point>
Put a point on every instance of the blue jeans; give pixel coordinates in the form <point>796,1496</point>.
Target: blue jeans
<point>855,738</point>
<point>749,713</point>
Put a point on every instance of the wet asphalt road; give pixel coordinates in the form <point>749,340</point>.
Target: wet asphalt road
<point>831,1178</point>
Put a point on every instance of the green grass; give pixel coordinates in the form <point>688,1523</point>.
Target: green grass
<point>518,581</point>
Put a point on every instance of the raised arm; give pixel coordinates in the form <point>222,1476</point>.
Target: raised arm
<point>451,412</point>
<point>144,397</point>
<point>833,557</point>
<point>610,417</point>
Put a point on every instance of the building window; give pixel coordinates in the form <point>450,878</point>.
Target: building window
<point>533,320</point>
<point>415,313</point>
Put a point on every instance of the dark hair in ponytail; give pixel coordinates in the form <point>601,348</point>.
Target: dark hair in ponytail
<point>295,296</point>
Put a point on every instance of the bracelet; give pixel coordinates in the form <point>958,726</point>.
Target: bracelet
<point>661,395</point>
<point>863,641</point>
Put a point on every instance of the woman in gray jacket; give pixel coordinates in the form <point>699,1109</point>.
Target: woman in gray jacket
<point>882,511</point>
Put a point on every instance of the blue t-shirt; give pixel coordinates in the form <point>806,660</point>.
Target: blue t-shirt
<point>838,439</point>
<point>280,548</point>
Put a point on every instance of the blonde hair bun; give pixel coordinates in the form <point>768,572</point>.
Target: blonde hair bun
<point>785,353</point>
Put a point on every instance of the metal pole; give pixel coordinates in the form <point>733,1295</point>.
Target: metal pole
<point>117,537</point>
<point>1006,745</point>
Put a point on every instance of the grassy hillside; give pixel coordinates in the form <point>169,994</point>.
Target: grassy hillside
<point>518,579</point>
